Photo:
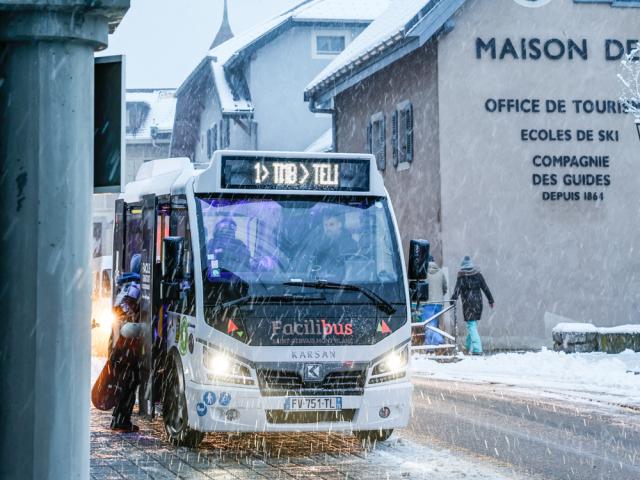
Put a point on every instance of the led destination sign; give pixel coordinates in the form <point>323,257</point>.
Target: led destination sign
<point>338,174</point>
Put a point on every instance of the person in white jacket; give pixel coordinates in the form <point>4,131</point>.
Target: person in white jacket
<point>437,290</point>
<point>437,282</point>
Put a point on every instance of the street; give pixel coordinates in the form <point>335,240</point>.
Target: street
<point>555,439</point>
<point>147,455</point>
<point>458,430</point>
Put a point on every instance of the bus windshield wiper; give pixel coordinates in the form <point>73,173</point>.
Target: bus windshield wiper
<point>380,302</point>
<point>286,298</point>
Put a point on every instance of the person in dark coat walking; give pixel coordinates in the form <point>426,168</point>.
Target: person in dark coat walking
<point>469,285</point>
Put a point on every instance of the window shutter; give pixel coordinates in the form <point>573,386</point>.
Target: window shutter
<point>394,137</point>
<point>209,143</point>
<point>227,133</point>
<point>214,137</point>
<point>383,143</point>
<point>409,133</point>
<point>369,145</point>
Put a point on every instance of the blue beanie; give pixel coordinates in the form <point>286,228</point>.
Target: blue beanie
<point>467,263</point>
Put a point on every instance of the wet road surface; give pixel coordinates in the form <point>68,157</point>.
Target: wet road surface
<point>550,438</point>
<point>458,430</point>
<point>146,455</point>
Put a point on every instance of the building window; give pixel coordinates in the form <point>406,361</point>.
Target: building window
<point>402,134</point>
<point>328,43</point>
<point>225,133</point>
<point>136,114</point>
<point>377,139</point>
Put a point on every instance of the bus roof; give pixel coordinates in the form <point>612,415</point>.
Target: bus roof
<point>171,175</point>
<point>160,177</point>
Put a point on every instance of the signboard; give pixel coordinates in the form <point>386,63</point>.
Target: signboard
<point>109,125</point>
<point>336,174</point>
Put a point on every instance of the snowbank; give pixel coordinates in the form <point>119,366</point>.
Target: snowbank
<point>574,327</point>
<point>585,337</point>
<point>582,376</point>
<point>589,328</point>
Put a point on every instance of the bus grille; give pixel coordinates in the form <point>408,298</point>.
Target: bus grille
<point>275,383</point>
<point>281,416</point>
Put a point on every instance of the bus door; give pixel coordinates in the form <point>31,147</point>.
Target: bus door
<point>148,230</point>
<point>179,310</point>
<point>118,247</point>
<point>163,211</point>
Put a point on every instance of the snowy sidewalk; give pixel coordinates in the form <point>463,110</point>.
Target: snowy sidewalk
<point>606,379</point>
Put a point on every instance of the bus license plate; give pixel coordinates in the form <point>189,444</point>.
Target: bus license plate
<point>313,403</point>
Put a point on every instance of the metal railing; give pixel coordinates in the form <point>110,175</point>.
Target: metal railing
<point>449,347</point>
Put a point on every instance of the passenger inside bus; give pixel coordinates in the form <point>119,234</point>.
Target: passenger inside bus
<point>230,253</point>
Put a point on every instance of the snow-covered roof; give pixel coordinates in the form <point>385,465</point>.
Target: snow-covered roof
<point>341,10</point>
<point>386,30</point>
<point>224,55</point>
<point>229,103</point>
<point>162,176</point>
<point>324,143</point>
<point>308,11</point>
<point>161,105</point>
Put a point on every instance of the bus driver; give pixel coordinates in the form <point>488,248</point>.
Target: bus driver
<point>334,246</point>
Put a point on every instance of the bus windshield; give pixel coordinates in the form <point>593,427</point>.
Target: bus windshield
<point>266,241</point>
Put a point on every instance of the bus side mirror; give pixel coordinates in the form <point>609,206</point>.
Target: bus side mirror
<point>418,270</point>
<point>172,267</point>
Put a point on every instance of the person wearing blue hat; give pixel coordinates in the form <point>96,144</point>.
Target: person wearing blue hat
<point>124,353</point>
<point>469,285</point>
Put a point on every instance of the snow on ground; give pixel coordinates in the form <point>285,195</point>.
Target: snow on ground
<point>413,460</point>
<point>594,377</point>
<point>406,457</point>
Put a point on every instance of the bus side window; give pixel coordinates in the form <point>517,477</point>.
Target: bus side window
<point>179,227</point>
<point>106,283</point>
<point>162,231</point>
<point>133,234</point>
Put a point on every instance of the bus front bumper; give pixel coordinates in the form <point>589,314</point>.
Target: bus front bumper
<point>235,409</point>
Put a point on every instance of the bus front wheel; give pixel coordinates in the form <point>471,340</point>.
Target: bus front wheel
<point>370,437</point>
<point>174,412</point>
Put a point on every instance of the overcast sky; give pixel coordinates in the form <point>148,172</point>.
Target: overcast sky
<point>165,39</point>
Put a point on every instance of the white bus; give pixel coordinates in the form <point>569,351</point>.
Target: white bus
<point>274,294</point>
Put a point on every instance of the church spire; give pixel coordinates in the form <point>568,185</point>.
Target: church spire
<point>224,33</point>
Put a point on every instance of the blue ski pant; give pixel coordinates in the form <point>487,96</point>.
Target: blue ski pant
<point>473,343</point>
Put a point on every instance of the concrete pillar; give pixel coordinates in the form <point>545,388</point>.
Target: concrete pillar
<point>46,180</point>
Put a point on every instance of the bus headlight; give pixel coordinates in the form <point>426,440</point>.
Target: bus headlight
<point>224,369</point>
<point>392,367</point>
<point>218,363</point>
